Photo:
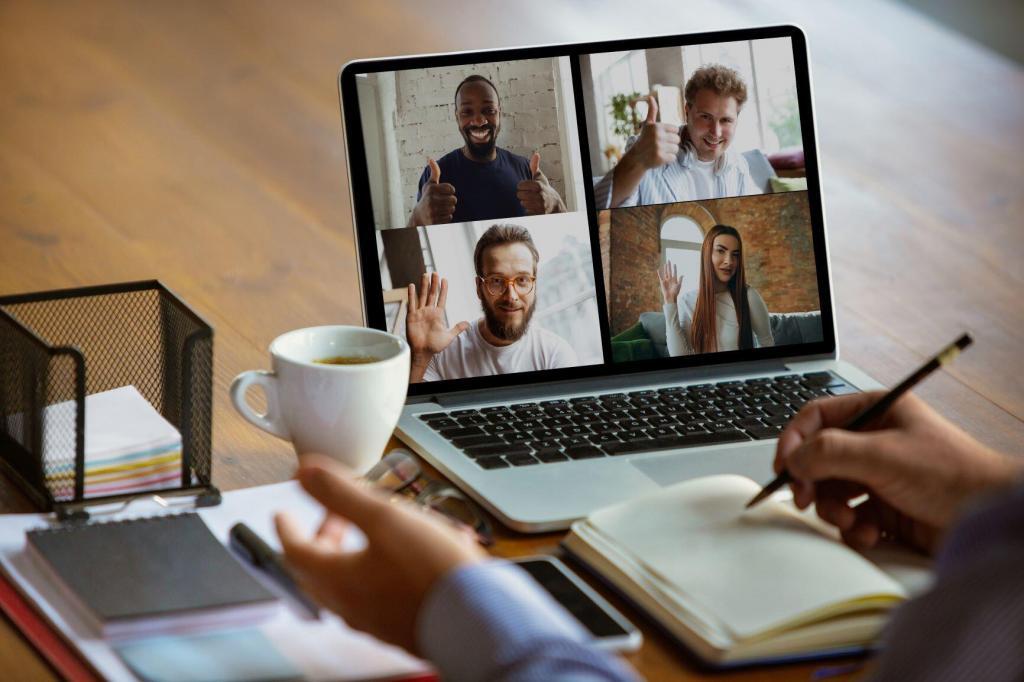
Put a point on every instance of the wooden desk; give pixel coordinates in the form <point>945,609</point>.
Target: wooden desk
<point>199,143</point>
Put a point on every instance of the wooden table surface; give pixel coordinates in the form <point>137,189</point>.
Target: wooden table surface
<point>199,143</point>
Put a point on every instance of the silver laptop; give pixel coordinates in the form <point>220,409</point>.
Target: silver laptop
<point>609,260</point>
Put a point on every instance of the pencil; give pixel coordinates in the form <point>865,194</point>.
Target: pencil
<point>879,408</point>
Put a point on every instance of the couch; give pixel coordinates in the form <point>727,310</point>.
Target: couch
<point>646,339</point>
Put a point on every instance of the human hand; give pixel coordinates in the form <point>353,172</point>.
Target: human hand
<point>537,195</point>
<point>381,588</point>
<point>437,200</point>
<point>658,143</point>
<point>916,468</point>
<point>671,283</point>
<point>425,328</point>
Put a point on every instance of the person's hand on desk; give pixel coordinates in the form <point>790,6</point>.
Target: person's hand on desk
<point>379,589</point>
<point>917,469</point>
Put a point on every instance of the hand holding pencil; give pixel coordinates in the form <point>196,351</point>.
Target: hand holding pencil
<point>916,468</point>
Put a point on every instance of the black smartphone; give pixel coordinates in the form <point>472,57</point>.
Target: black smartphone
<point>609,628</point>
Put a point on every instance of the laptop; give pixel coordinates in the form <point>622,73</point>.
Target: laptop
<point>609,260</point>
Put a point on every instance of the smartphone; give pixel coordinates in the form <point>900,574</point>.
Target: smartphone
<point>610,629</point>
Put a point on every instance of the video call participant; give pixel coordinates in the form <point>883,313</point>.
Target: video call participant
<point>481,181</point>
<point>723,312</point>
<point>500,342</point>
<point>668,165</point>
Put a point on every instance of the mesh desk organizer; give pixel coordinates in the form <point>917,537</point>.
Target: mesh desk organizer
<point>60,346</point>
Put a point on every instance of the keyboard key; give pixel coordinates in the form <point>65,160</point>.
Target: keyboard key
<point>434,415</point>
<point>692,427</point>
<point>599,438</point>
<point>491,463</point>
<point>471,441</point>
<point>587,419</point>
<point>584,451</point>
<point>777,420</point>
<point>572,441</point>
<point>463,413</point>
<point>545,444</point>
<point>521,460</point>
<point>518,407</point>
<point>495,409</point>
<point>460,431</point>
<point>820,379</point>
<point>472,420</point>
<point>842,389</point>
<point>765,432</point>
<point>503,427</point>
<point>517,438</point>
<point>555,422</point>
<point>445,423</point>
<point>552,403</point>
<point>550,455</point>
<point>575,430</point>
<point>775,410</point>
<point>502,449</point>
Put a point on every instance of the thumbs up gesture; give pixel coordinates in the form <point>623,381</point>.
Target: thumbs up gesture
<point>537,195</point>
<point>658,143</point>
<point>437,200</point>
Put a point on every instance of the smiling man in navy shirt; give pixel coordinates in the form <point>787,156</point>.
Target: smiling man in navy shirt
<point>481,181</point>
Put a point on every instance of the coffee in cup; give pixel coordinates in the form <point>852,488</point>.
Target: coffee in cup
<point>334,390</point>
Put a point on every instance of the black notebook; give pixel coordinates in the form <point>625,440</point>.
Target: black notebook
<point>150,575</point>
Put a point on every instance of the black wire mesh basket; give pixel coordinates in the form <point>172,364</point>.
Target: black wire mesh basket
<point>57,347</point>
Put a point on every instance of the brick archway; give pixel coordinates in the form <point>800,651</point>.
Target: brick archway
<point>692,210</point>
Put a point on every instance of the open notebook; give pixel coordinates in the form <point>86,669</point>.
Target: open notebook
<point>738,586</point>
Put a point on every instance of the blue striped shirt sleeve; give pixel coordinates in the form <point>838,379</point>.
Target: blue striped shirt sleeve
<point>490,621</point>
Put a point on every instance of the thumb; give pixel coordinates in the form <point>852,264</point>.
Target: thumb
<point>332,486</point>
<point>834,453</point>
<point>535,164</point>
<point>652,109</point>
<point>460,327</point>
<point>435,171</point>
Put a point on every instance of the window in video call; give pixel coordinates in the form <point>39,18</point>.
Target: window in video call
<point>489,264</point>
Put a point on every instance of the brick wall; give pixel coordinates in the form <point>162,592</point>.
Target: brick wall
<point>776,230</point>
<point>425,116</point>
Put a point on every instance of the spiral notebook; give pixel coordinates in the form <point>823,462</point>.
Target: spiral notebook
<point>161,574</point>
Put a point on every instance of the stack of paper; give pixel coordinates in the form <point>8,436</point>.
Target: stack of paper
<point>129,446</point>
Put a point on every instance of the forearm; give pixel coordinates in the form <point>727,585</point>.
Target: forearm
<point>418,367</point>
<point>677,342</point>
<point>625,179</point>
<point>491,622</point>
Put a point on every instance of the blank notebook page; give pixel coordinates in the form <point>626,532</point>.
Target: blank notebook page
<point>757,570</point>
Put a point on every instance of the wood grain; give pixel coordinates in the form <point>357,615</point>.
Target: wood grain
<point>199,143</point>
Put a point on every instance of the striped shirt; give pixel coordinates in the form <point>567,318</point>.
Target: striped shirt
<point>688,179</point>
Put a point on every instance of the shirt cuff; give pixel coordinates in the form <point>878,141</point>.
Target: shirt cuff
<point>490,621</point>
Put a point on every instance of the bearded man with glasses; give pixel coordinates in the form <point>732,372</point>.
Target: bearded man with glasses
<point>500,342</point>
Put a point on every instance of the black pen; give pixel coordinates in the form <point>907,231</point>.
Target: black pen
<point>253,549</point>
<point>876,410</point>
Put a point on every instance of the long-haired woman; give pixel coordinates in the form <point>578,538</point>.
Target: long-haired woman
<point>723,312</point>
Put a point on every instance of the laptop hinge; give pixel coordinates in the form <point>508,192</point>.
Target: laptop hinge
<point>604,384</point>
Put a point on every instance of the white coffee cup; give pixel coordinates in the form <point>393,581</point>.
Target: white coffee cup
<point>345,411</point>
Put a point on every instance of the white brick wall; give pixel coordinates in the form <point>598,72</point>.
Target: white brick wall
<point>425,117</point>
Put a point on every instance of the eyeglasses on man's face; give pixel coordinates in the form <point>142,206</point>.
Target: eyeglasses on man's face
<point>497,285</point>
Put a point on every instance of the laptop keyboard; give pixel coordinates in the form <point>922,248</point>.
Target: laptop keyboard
<point>614,424</point>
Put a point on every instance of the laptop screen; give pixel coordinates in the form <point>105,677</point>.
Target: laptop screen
<point>579,210</point>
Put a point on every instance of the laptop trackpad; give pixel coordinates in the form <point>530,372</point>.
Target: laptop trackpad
<point>752,461</point>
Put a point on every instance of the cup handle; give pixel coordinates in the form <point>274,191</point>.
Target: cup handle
<point>270,421</point>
